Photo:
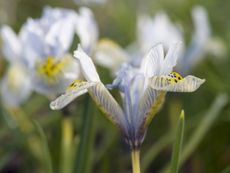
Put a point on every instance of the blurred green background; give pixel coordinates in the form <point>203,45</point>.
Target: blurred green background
<point>207,111</point>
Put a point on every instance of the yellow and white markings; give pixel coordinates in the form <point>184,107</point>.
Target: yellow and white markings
<point>51,68</point>
<point>174,77</point>
<point>174,82</point>
<point>75,89</point>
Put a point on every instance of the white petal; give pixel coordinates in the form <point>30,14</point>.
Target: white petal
<point>88,69</point>
<point>87,29</point>
<point>70,95</point>
<point>152,62</point>
<point>171,58</point>
<point>61,33</point>
<point>187,84</point>
<point>11,44</point>
<point>157,30</point>
<point>109,54</point>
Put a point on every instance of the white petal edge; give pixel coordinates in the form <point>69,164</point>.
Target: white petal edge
<point>70,95</point>
<point>187,84</point>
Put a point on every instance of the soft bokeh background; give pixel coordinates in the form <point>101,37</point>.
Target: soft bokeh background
<point>207,112</point>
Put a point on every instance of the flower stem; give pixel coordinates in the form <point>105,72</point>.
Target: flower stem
<point>67,145</point>
<point>135,155</point>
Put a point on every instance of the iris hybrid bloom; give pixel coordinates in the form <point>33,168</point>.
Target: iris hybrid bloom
<point>142,89</point>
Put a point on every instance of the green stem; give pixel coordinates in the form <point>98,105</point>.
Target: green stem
<point>135,156</point>
<point>83,161</point>
<point>67,145</point>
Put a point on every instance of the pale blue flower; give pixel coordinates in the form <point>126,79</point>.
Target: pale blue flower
<point>142,89</point>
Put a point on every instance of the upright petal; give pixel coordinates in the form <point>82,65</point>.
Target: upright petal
<point>171,58</point>
<point>200,38</point>
<point>87,29</point>
<point>88,69</point>
<point>152,62</point>
<point>11,44</point>
<point>156,30</point>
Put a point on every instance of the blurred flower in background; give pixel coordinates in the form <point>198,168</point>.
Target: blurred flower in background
<point>46,42</point>
<point>16,84</point>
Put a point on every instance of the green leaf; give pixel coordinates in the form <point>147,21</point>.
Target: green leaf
<point>178,144</point>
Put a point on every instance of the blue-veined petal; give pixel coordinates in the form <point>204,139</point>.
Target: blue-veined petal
<point>108,104</point>
<point>150,104</point>
<point>152,62</point>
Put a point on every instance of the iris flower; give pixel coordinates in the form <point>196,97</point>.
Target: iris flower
<point>46,42</point>
<point>142,89</point>
<point>164,31</point>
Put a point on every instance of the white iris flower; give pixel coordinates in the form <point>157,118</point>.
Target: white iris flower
<point>143,90</point>
<point>46,42</point>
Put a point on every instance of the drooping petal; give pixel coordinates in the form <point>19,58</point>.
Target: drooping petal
<point>165,83</point>
<point>76,89</point>
<point>88,69</point>
<point>11,44</point>
<point>107,104</point>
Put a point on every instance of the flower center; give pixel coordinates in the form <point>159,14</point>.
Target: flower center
<point>174,77</point>
<point>51,68</point>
